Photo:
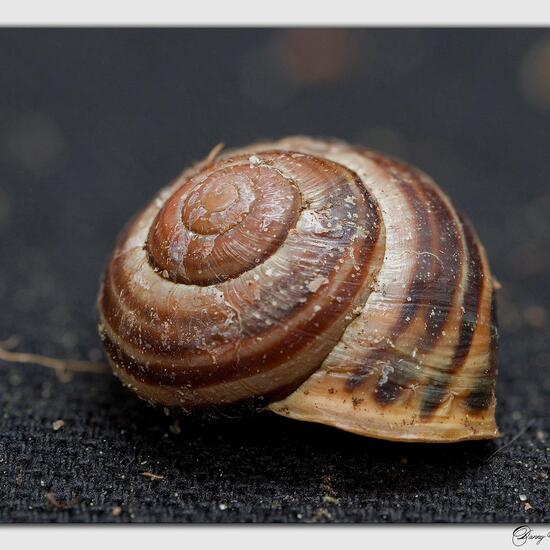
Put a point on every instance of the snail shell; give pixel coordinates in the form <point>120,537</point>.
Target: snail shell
<point>329,282</point>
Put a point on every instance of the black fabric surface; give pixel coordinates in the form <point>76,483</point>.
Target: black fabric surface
<point>93,122</point>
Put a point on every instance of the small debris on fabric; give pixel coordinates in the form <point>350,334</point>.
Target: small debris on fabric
<point>321,514</point>
<point>55,504</point>
<point>57,425</point>
<point>175,427</point>
<point>151,475</point>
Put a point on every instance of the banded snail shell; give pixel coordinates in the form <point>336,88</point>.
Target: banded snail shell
<point>336,284</point>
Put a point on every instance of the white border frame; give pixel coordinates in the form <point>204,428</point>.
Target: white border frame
<point>253,13</point>
<point>279,13</point>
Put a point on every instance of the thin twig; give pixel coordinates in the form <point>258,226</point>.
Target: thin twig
<point>216,150</point>
<point>59,505</point>
<point>151,475</point>
<point>61,366</point>
<point>516,437</point>
<point>10,343</point>
<point>209,159</point>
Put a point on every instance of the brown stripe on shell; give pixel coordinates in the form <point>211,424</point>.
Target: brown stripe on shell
<point>394,377</point>
<point>162,376</point>
<point>388,388</point>
<point>424,264</point>
<point>116,281</point>
<point>160,364</point>
<point>483,393</point>
<point>174,373</point>
<point>436,393</point>
<point>445,284</point>
<point>442,235</point>
<point>436,282</point>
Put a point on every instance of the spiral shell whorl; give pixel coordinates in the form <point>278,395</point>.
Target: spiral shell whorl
<point>251,270</point>
<point>207,231</point>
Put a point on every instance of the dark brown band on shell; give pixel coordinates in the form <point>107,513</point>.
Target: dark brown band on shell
<point>436,393</point>
<point>483,394</point>
<point>435,284</point>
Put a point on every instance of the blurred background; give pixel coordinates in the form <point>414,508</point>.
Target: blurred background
<point>93,122</point>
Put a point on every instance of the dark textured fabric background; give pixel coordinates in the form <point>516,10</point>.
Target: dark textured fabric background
<point>93,122</point>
